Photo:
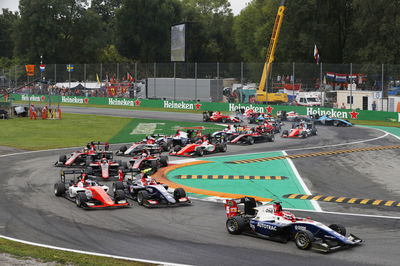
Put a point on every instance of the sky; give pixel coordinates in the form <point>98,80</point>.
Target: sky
<point>236,5</point>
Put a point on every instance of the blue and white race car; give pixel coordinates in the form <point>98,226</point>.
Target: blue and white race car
<point>271,222</point>
<point>332,121</point>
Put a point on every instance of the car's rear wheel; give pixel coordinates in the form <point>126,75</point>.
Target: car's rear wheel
<point>117,186</point>
<point>285,133</point>
<point>123,149</point>
<point>304,134</point>
<point>250,140</point>
<point>59,189</point>
<point>142,196</point>
<point>222,147</point>
<point>81,199</point>
<point>62,158</point>
<point>89,170</point>
<point>179,193</point>
<point>206,117</point>
<point>304,239</point>
<point>338,228</point>
<point>199,151</point>
<point>164,161</point>
<point>235,225</point>
<point>336,123</point>
<point>223,120</point>
<point>177,148</point>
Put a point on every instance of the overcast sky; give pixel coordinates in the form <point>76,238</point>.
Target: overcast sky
<point>236,5</point>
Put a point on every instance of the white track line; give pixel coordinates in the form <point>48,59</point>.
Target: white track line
<point>91,253</point>
<point>301,181</point>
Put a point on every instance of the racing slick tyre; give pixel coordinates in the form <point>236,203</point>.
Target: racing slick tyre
<point>199,151</point>
<point>249,140</point>
<point>59,189</point>
<point>123,149</point>
<point>285,133</point>
<point>271,138</point>
<point>124,165</point>
<point>142,196</point>
<point>338,228</point>
<point>80,199</point>
<point>223,120</point>
<point>119,195</point>
<point>304,134</point>
<point>89,170</point>
<point>206,117</point>
<point>154,166</point>
<point>117,186</point>
<point>179,193</point>
<point>164,161</point>
<point>62,158</point>
<point>177,148</point>
<point>336,123</point>
<point>235,225</point>
<point>222,147</point>
<point>304,239</point>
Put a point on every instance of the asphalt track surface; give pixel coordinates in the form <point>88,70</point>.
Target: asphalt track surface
<point>196,234</point>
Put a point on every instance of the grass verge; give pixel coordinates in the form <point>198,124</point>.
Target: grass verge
<point>25,252</point>
<point>375,123</point>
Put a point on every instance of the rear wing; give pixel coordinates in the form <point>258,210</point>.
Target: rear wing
<point>98,144</point>
<point>232,209</point>
<point>75,173</point>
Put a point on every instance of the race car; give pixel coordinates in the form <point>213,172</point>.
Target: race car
<point>106,168</point>
<point>300,130</point>
<point>137,148</point>
<point>82,158</point>
<point>261,133</point>
<point>201,147</point>
<point>150,193</point>
<point>271,222</point>
<point>87,193</point>
<point>147,160</point>
<point>291,116</point>
<point>332,121</point>
<point>211,116</point>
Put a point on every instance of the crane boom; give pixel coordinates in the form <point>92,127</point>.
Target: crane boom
<point>261,94</point>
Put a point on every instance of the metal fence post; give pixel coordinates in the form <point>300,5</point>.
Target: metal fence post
<point>135,71</point>
<point>174,81</point>
<point>118,72</point>
<point>15,76</point>
<point>155,85</point>
<point>55,74</point>
<point>382,87</point>
<point>241,73</point>
<point>84,75</point>
<point>320,85</point>
<point>195,81</point>
<point>293,74</point>
<point>351,85</point>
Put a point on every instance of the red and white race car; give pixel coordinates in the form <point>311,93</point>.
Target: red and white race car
<point>88,193</point>
<point>300,130</point>
<point>106,168</point>
<point>147,160</point>
<point>211,116</point>
<point>85,156</point>
<point>261,133</point>
<point>201,147</point>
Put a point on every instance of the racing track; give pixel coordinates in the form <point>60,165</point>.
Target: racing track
<point>196,235</point>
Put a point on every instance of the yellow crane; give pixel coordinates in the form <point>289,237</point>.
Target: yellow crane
<point>261,94</point>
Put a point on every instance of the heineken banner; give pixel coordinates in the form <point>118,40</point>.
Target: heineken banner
<point>207,106</point>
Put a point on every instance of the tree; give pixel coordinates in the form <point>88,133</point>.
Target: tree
<point>7,20</point>
<point>63,31</point>
<point>143,28</point>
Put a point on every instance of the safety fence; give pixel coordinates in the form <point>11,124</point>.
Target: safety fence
<point>205,106</point>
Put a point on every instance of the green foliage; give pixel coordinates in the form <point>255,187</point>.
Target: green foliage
<point>7,19</point>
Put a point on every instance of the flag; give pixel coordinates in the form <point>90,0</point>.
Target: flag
<point>98,79</point>
<point>42,68</point>
<point>316,54</point>
<point>129,77</point>
<point>30,70</point>
<point>341,77</point>
<point>70,68</point>
<point>330,75</point>
<point>352,76</point>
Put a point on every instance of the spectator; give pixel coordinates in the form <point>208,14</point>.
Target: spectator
<point>343,106</point>
<point>373,106</point>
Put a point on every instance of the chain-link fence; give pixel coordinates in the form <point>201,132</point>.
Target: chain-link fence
<point>236,82</point>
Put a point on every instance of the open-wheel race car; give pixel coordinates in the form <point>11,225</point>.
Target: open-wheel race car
<point>271,222</point>
<point>261,133</point>
<point>332,121</point>
<point>81,158</point>
<point>146,160</point>
<point>87,193</point>
<point>300,130</point>
<point>211,116</point>
<point>138,147</point>
<point>150,193</point>
<point>202,146</point>
<point>106,168</point>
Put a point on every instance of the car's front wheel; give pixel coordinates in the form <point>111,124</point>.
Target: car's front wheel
<point>142,196</point>
<point>304,239</point>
